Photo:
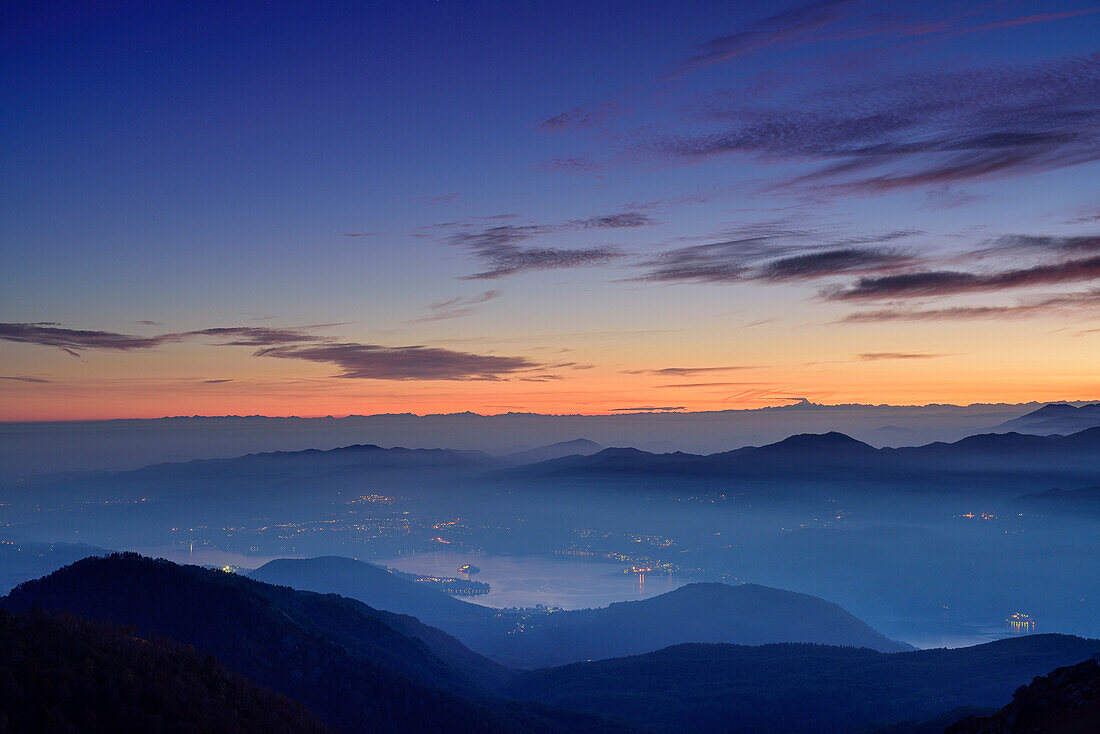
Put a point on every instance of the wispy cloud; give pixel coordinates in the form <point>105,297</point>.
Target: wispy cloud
<point>778,255</point>
<point>1028,308</point>
<point>356,360</point>
<point>688,371</point>
<point>23,378</point>
<point>923,284</point>
<point>785,26</point>
<point>73,341</point>
<point>648,409</point>
<point>458,306</point>
<point>375,362</point>
<point>581,118</point>
<point>878,356</point>
<point>930,131</point>
<point>501,247</point>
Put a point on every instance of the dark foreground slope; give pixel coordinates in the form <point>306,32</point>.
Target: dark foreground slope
<point>706,612</point>
<point>61,674</point>
<point>1067,701</point>
<point>797,688</point>
<point>337,656</point>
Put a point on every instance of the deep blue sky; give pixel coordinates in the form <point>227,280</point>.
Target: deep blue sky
<point>785,187</point>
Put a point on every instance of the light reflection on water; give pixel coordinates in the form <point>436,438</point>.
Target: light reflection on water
<point>524,581</point>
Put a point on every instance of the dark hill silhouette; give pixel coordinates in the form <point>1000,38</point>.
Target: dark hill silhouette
<point>1055,418</point>
<point>24,560</point>
<point>576,447</point>
<point>377,587</point>
<point>58,673</point>
<point>337,656</point>
<point>796,688</point>
<point>1067,701</point>
<point>702,612</point>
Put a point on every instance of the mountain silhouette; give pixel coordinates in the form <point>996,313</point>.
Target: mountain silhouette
<point>1066,701</point>
<point>1054,418</point>
<point>59,673</point>
<point>576,447</point>
<point>700,612</point>
<point>1001,460</point>
<point>796,688</point>
<point>339,657</point>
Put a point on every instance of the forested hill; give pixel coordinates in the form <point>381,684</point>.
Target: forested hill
<point>62,674</point>
<point>337,656</point>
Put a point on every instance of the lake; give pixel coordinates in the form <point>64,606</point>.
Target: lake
<point>524,581</point>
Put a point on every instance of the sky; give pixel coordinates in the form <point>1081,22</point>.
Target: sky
<point>586,208</point>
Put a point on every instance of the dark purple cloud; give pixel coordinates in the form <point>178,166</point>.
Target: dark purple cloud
<point>783,27</point>
<point>375,362</point>
<point>73,341</point>
<point>252,336</point>
<point>934,130</point>
<point>500,248</point>
<point>21,378</point>
<point>777,255</point>
<point>947,282</point>
<point>1036,307</point>
<point>216,382</point>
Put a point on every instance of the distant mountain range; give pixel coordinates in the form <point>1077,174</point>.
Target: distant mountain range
<point>700,612</point>
<point>28,449</point>
<point>797,688</point>
<point>994,462</point>
<point>997,460</point>
<point>1054,418</point>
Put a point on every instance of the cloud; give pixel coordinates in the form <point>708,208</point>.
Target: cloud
<point>1036,307</point>
<point>215,382</point>
<point>73,341</point>
<point>932,130</point>
<point>877,356</point>
<point>254,336</point>
<point>648,408</point>
<point>438,199</point>
<point>458,306</point>
<point>361,234</point>
<point>22,378</point>
<point>144,322</point>
<point>571,164</point>
<point>777,254</point>
<point>688,371</point>
<point>707,384</point>
<point>375,362</point>
<point>499,246</point>
<point>580,118</point>
<point>946,282</point>
<point>622,220</point>
<point>781,27</point>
